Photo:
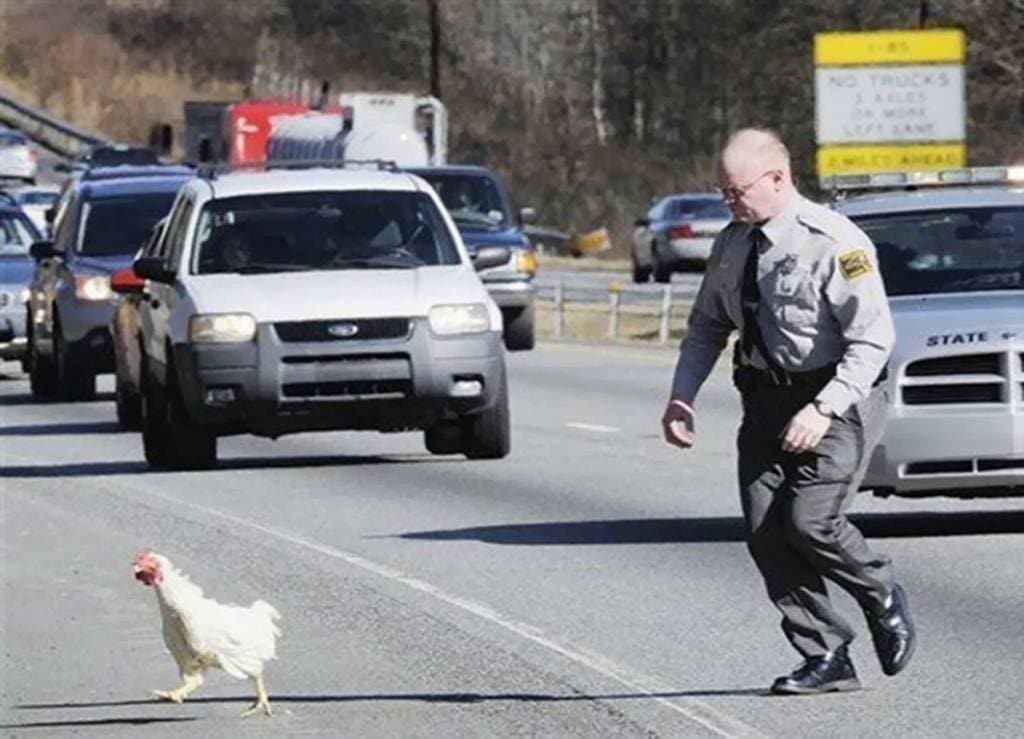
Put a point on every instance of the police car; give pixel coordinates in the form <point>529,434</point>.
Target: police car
<point>951,251</point>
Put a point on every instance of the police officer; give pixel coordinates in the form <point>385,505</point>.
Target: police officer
<point>801,284</point>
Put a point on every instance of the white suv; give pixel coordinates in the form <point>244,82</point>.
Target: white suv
<point>283,301</point>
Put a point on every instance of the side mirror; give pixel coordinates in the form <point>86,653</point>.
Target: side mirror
<point>49,214</point>
<point>527,215</point>
<point>41,250</point>
<point>126,282</point>
<point>642,222</point>
<point>153,268</point>
<point>490,256</point>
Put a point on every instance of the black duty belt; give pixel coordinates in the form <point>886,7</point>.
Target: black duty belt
<point>747,375</point>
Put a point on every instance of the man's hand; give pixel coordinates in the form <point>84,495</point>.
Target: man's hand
<point>805,430</point>
<point>677,423</point>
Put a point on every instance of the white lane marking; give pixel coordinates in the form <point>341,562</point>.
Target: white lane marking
<point>697,711</point>
<point>592,427</point>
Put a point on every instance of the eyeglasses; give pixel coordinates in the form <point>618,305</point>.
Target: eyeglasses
<point>733,194</point>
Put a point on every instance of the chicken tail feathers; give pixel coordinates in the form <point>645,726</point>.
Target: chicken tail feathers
<point>267,610</point>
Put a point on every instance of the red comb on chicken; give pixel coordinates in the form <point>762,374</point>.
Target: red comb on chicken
<point>202,633</point>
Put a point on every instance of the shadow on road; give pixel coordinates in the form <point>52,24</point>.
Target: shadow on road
<point>692,530</point>
<point>97,469</point>
<point>56,429</point>
<point>420,697</point>
<point>29,400</point>
<point>140,721</point>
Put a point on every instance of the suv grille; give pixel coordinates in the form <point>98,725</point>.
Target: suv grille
<point>360,329</point>
<point>964,378</point>
<point>965,364</point>
<point>351,390</point>
<point>946,394</point>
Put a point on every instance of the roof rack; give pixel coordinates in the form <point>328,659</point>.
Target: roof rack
<point>911,180</point>
<point>211,171</point>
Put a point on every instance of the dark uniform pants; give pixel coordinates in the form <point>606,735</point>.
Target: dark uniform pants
<point>795,509</point>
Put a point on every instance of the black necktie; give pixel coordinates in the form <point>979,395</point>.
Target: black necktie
<point>750,295</point>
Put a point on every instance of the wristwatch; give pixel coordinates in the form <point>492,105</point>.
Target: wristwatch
<point>824,408</point>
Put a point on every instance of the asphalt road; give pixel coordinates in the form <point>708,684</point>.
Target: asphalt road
<point>592,584</point>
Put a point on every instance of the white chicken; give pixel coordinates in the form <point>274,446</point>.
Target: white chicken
<point>202,633</point>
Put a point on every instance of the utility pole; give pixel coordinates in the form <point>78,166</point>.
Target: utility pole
<point>434,13</point>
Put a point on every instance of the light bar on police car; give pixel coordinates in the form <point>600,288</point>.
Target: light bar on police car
<point>965,176</point>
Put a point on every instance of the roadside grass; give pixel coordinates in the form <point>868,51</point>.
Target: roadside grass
<point>589,322</point>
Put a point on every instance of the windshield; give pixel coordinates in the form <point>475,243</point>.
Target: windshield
<point>695,208</point>
<point>117,225</point>
<point>16,234</point>
<point>947,251</point>
<point>284,232</point>
<point>469,198</point>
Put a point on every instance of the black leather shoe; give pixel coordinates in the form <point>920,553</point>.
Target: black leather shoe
<point>893,633</point>
<point>831,673</point>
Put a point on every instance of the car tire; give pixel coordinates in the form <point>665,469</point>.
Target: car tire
<point>74,382</point>
<point>662,272</point>
<point>156,444</point>
<point>42,374</point>
<point>169,436</point>
<point>129,407</point>
<point>195,448</point>
<point>641,274</point>
<point>519,328</point>
<point>443,438</point>
<point>488,434</point>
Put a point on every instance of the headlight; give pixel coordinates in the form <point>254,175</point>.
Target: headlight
<point>526,261</point>
<point>93,287</point>
<point>222,328</point>
<point>447,320</point>
<point>24,295</point>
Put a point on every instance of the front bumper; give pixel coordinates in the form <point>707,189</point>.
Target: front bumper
<point>953,450</point>
<point>80,318</point>
<point>511,293</point>
<point>13,344</point>
<point>272,387</point>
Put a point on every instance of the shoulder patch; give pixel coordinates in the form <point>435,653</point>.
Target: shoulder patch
<point>854,264</point>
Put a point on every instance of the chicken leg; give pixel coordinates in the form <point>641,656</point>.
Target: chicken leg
<point>262,699</point>
<point>191,681</point>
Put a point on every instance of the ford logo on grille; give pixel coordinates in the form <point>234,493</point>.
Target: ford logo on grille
<point>343,330</point>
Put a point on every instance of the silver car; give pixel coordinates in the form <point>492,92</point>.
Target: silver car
<point>676,234</point>
<point>18,159</point>
<point>952,257</point>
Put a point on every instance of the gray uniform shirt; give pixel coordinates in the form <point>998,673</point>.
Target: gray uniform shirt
<point>822,302</point>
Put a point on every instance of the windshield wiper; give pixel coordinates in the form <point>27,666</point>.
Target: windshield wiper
<point>258,269</point>
<point>381,262</point>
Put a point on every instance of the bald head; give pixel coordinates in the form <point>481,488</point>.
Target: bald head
<point>757,147</point>
<point>754,175</point>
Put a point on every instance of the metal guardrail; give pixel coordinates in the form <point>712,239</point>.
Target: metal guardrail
<point>52,133</point>
<point>654,313</point>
